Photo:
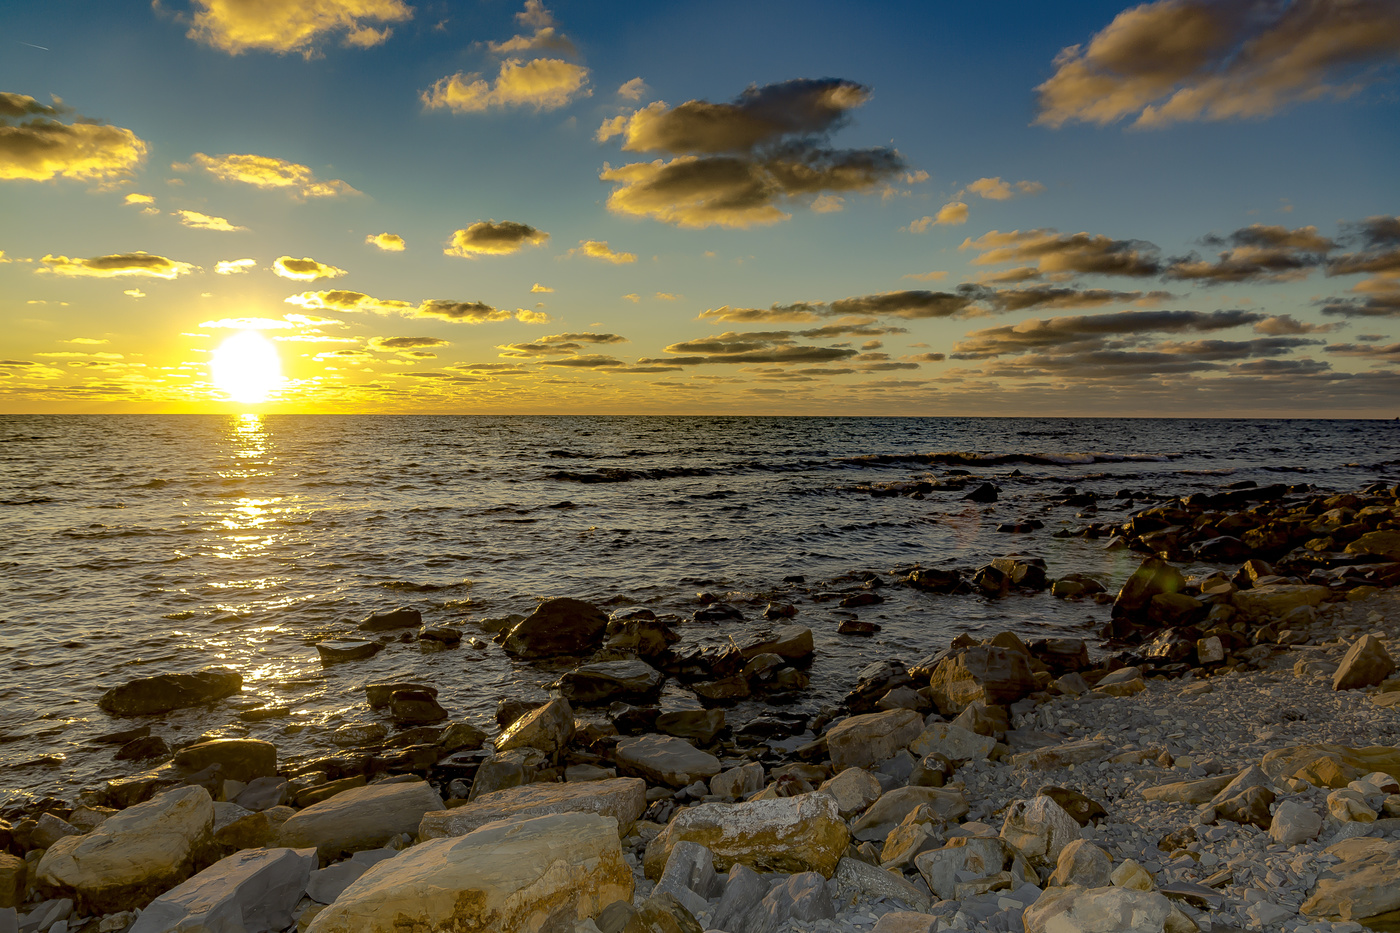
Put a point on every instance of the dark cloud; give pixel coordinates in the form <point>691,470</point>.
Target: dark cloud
<point>463,312</point>
<point>36,145</point>
<point>406,343</point>
<point>913,304</point>
<point>1383,304</point>
<point>1084,330</point>
<point>1388,352</point>
<point>1283,324</point>
<point>117,265</point>
<point>1074,253</point>
<point>558,345</point>
<point>1257,253</point>
<point>489,238</point>
<point>1056,297</point>
<point>1380,237</point>
<point>741,163</point>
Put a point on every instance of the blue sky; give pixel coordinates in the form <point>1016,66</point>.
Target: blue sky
<point>1150,129</point>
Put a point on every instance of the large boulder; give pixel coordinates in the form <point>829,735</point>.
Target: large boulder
<point>133,855</point>
<point>1330,765</point>
<point>663,759</point>
<point>1366,664</point>
<point>360,818</point>
<point>1365,887</point>
<point>1153,577</point>
<point>1039,828</point>
<point>623,799</point>
<point>987,673</point>
<point>242,760</point>
<point>952,742</point>
<point>528,876</point>
<point>788,834</point>
<point>253,891</point>
<point>1381,543</point>
<point>547,728</point>
<point>962,860</point>
<point>1099,910</point>
<point>1265,603</point>
<point>605,681</point>
<point>558,627</point>
<point>868,739</point>
<point>165,692</point>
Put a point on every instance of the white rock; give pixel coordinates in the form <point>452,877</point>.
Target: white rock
<point>253,891</point>
<point>1098,910</point>
<point>1294,823</point>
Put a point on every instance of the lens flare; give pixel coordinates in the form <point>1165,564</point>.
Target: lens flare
<point>246,367</point>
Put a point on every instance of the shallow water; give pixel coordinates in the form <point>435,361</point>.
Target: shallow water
<point>135,545</point>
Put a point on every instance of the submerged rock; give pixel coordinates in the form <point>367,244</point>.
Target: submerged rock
<point>165,692</point>
<point>339,650</point>
<point>558,627</point>
<point>402,617</point>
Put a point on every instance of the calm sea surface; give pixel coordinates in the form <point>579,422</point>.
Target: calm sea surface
<point>136,545</point>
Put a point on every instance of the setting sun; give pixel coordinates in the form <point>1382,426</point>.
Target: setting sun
<point>247,367</point>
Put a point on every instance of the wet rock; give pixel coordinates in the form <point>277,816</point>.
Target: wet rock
<point>857,627</point>
<point>683,716</point>
<point>790,642</point>
<point>165,692</point>
<point>240,759</point>
<point>547,728</point>
<point>252,891</point>
<point>990,674</point>
<point>143,749</point>
<point>665,760</point>
<point>402,617</point>
<point>461,736</point>
<point>985,492</point>
<point>623,799</point>
<point>354,734</point>
<point>1039,829</point>
<point>133,856</point>
<point>936,581</point>
<point>1075,586</point>
<point>379,695</point>
<point>439,637</point>
<point>606,681</point>
<point>1081,863</point>
<point>802,833</point>
<point>1027,573</point>
<point>1154,577</point>
<point>545,873</point>
<point>1061,655</point>
<point>415,708</point>
<point>340,650</point>
<point>560,626</point>
<point>1365,664</point>
<point>874,681</point>
<point>1294,823</point>
<point>360,818</point>
<point>868,739</point>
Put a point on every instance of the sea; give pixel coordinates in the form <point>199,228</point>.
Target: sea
<point>132,545</point>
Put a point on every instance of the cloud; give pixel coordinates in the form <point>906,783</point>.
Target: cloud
<point>388,242</point>
<point>304,270</point>
<point>1053,252</point>
<point>632,90</point>
<point>1090,330</point>
<point>995,189</point>
<point>488,238</point>
<point>1370,351</point>
<point>460,312</point>
<point>599,249</point>
<point>526,316</point>
<point>737,164</point>
<point>345,300</point>
<point>541,84</point>
<point>271,172</point>
<point>134,293</point>
<point>828,204</point>
<point>234,266</point>
<point>1284,324</point>
<point>36,146</point>
<point>950,214</point>
<point>119,264</point>
<point>666,296</point>
<point>1182,60</point>
<point>926,276</point>
<point>1258,253</point>
<point>237,26</point>
<point>396,344</point>
<point>545,36</point>
<point>134,198</point>
<point>207,222</point>
<point>537,288</point>
<point>1381,248</point>
<point>1052,297</point>
<point>87,341</point>
<point>557,345</point>
<point>1384,303</point>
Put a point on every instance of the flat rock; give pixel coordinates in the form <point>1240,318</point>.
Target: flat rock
<point>340,650</point>
<point>1194,792</point>
<point>1051,757</point>
<point>665,760</point>
<point>854,789</point>
<point>866,740</point>
<point>253,891</point>
<point>1366,887</point>
<point>162,693</point>
<point>378,695</point>
<point>1276,600</point>
<point>891,809</point>
<point>360,818</point>
<point>855,881</point>
<point>242,760</point>
<point>1381,543</point>
<point>605,681</point>
<point>623,799</point>
<point>529,876</point>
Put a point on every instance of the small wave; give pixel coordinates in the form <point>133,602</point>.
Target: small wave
<point>408,586</point>
<point>627,476</point>
<point>35,500</point>
<point>968,458</point>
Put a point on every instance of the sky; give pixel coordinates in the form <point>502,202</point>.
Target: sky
<point>1180,208</point>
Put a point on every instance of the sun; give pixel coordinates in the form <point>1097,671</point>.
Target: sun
<point>247,367</point>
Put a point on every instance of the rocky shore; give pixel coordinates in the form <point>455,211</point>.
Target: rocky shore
<point>1228,758</point>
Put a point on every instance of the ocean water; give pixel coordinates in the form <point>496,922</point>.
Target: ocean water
<point>136,545</point>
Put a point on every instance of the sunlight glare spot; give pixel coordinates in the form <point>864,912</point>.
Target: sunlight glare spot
<point>246,366</point>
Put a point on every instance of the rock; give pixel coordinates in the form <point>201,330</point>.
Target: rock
<point>1082,808</point>
<point>623,799</point>
<point>561,626</point>
<point>1075,586</point>
<point>1366,887</point>
<point>1266,914</point>
<point>508,769</point>
<point>690,876</point>
<point>985,720</point>
<point>661,913</point>
<point>609,680</point>
<point>1082,863</point>
<point>253,891</point>
<point>1381,543</point>
<point>547,728</point>
<point>248,829</point>
<point>952,742</point>
<point>1124,682</point>
<point>1039,829</point>
<point>1330,765</point>
<point>1276,600</point>
<point>904,921</point>
<point>402,617</point>
<point>241,759</point>
<point>1248,806</point>
<point>853,789</point>
<point>415,708</point>
<point>1052,757</point>
<point>360,818</point>
<point>891,809</point>
<point>917,833</point>
<point>1129,874</point>
<point>143,749</point>
<point>744,890</point>
<point>165,692</point>
<point>1348,806</point>
<point>1210,650</point>
<point>684,717</point>
<point>133,856</point>
<point>791,642</point>
<point>14,880</point>
<point>263,793</point>
<point>461,736</point>
<point>379,695</point>
<point>962,859</point>
<point>1196,792</point>
<point>1098,910</point>
<point>665,760</point>
<point>855,880</point>
<point>737,783</point>
<point>985,492</point>
<point>530,876</point>
<point>868,739</point>
<point>439,637</point>
<point>991,674</point>
<point>50,830</point>
<point>802,897</point>
<point>1366,664</point>
<point>1153,577</point>
<point>1294,823</point>
<point>340,650</point>
<point>329,883</point>
<point>800,833</point>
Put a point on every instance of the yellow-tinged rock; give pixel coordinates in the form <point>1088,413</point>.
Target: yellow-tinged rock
<point>1330,765</point>
<point>866,740</point>
<point>1382,543</point>
<point>1364,887</point>
<point>623,799</point>
<point>789,834</point>
<point>545,873</point>
<point>1274,602</point>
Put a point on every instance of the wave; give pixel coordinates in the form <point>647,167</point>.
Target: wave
<point>968,458</point>
<point>627,476</point>
<point>34,500</point>
<point>408,586</point>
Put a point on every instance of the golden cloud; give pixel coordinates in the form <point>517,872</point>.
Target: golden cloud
<point>542,84</point>
<point>950,214</point>
<point>389,242</point>
<point>632,90</point>
<point>599,249</point>
<point>304,270</point>
<point>284,26</point>
<point>538,288</point>
<point>396,344</point>
<point>207,222</point>
<point>1181,60</point>
<point>116,265</point>
<point>1069,252</point>
<point>526,316</point>
<point>138,199</point>
<point>488,238</point>
<point>994,189</point>
<point>37,147</point>
<point>234,266</point>
<point>270,172</point>
<point>461,312</point>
